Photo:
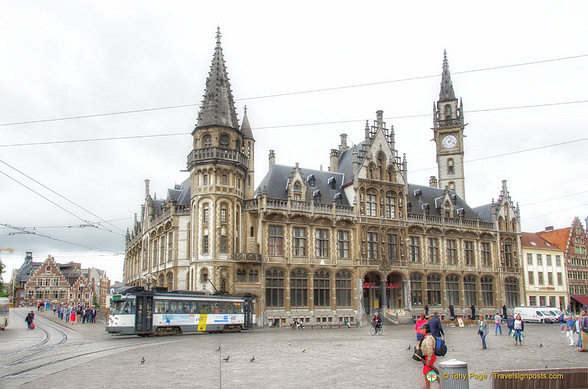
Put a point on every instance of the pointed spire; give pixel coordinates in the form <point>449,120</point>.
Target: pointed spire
<point>218,106</point>
<point>245,127</point>
<point>447,92</point>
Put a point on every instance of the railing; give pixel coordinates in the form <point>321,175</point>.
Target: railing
<point>248,257</point>
<point>431,219</point>
<point>449,122</point>
<point>217,154</point>
<point>298,206</point>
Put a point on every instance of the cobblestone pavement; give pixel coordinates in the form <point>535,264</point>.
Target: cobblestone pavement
<point>326,358</point>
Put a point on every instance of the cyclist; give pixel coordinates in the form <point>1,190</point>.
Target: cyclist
<point>377,321</point>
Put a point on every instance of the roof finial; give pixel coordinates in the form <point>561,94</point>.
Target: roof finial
<point>218,35</point>
<point>245,109</point>
<point>447,92</point>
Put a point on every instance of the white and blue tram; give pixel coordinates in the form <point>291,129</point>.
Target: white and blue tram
<point>136,311</point>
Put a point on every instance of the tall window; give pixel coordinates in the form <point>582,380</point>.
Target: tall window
<point>392,247</point>
<point>486,254</point>
<point>559,279</point>
<point>451,252</point>
<point>433,246</point>
<point>434,289</point>
<point>370,206</point>
<point>540,277</point>
<point>223,215</point>
<point>299,241</point>
<point>343,243</point>
<point>343,285</point>
<point>322,243</point>
<point>548,258</point>
<point>205,214</point>
<point>469,253</point>
<point>469,290</point>
<point>531,278</point>
<point>253,275</point>
<point>322,288</point>
<point>415,249</point>
<point>241,275</point>
<point>416,289</point>
<point>557,260</point>
<point>508,255</point>
<point>390,207</point>
<point>276,238</point>
<point>512,292</point>
<point>529,259</point>
<point>205,244</point>
<point>155,251</point>
<point>207,140</point>
<point>487,285</point>
<point>162,249</point>
<point>223,243</point>
<point>452,287</point>
<point>170,246</point>
<point>532,301</point>
<point>299,288</point>
<point>223,141</point>
<point>549,278</point>
<point>372,245</point>
<point>274,288</point>
<point>539,260</point>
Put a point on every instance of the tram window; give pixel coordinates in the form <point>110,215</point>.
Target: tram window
<point>237,308</point>
<point>214,307</point>
<point>172,307</point>
<point>203,308</point>
<point>160,306</point>
<point>189,308</point>
<point>122,307</point>
<point>227,308</point>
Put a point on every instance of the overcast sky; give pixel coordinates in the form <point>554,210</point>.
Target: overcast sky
<point>64,59</point>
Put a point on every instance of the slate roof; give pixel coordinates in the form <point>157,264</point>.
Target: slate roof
<point>180,194</point>
<point>419,195</point>
<point>278,177</point>
<point>484,211</point>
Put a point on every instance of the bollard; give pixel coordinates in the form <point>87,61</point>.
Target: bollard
<point>453,374</point>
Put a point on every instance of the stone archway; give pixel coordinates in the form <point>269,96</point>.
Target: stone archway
<point>395,291</point>
<point>372,293</point>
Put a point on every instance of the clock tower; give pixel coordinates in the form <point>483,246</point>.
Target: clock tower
<point>448,128</point>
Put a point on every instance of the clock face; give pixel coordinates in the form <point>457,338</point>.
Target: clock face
<point>449,141</point>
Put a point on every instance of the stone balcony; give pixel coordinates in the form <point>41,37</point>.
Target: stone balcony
<point>265,204</point>
<point>217,155</point>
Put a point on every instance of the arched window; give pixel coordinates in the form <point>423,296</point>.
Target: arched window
<point>451,185</point>
<point>511,285</point>
<point>370,203</point>
<point>322,288</point>
<point>447,111</point>
<point>237,145</point>
<point>390,205</point>
<point>253,275</point>
<point>416,289</point>
<point>487,285</point>
<point>224,141</point>
<point>274,288</point>
<point>297,186</point>
<point>469,290</point>
<point>170,281</point>
<point>452,287</point>
<point>450,166</point>
<point>434,289</point>
<point>161,280</point>
<point>299,288</point>
<point>206,140</point>
<point>343,286</point>
<point>241,275</point>
<point>381,165</point>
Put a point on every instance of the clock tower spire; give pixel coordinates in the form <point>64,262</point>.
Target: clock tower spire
<point>448,130</point>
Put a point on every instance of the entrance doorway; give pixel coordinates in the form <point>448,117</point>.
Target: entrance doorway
<point>372,293</point>
<point>395,291</point>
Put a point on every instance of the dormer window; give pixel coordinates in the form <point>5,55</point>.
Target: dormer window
<point>338,198</point>
<point>316,195</point>
<point>311,180</point>
<point>297,186</point>
<point>332,182</point>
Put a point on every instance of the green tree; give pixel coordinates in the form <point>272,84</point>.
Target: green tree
<point>3,291</point>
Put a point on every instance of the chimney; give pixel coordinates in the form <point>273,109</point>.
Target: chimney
<point>334,160</point>
<point>272,158</point>
<point>548,228</point>
<point>433,182</point>
<point>146,188</point>
<point>343,146</point>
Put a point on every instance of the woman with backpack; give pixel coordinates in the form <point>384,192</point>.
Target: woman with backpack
<point>427,347</point>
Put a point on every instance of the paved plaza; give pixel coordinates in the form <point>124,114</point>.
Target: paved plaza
<point>284,358</point>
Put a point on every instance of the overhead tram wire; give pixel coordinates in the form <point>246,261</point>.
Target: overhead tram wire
<point>54,203</point>
<point>63,197</point>
<point>406,79</point>
<point>285,125</point>
<point>37,233</point>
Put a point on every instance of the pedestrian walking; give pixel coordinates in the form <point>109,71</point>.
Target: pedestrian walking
<point>473,308</point>
<point>498,323</point>
<point>510,323</point>
<point>504,315</point>
<point>483,330</point>
<point>570,329</point>
<point>435,326</point>
<point>519,327</point>
<point>418,325</point>
<point>583,332</point>
<point>29,319</point>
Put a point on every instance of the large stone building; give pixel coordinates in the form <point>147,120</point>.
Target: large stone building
<point>574,243</point>
<point>323,246</point>
<point>546,281</point>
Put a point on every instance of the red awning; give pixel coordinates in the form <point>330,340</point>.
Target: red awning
<point>581,299</point>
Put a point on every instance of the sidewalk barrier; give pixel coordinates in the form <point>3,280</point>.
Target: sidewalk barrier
<point>453,374</point>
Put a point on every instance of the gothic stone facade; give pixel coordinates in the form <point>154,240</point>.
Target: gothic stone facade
<point>325,246</point>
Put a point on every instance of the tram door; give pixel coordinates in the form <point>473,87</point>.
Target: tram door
<point>247,312</point>
<point>144,316</point>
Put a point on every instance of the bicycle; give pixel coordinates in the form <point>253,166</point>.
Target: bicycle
<point>376,330</point>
